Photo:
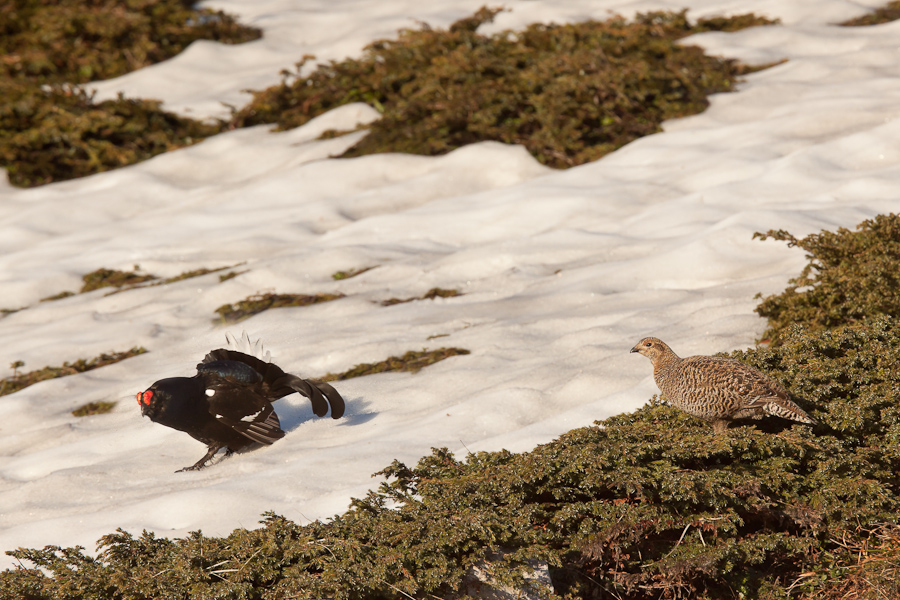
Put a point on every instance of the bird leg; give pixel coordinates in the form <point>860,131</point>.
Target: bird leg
<point>213,448</point>
<point>719,426</point>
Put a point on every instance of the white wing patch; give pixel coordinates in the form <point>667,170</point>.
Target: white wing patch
<point>210,393</point>
<point>249,418</point>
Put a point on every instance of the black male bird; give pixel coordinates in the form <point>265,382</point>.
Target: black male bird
<point>228,403</point>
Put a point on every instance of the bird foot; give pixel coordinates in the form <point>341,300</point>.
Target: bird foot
<point>205,461</point>
<point>194,467</point>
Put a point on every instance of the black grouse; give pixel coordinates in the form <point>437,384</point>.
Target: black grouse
<point>228,403</point>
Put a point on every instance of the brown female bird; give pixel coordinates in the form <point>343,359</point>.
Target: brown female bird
<point>717,389</point>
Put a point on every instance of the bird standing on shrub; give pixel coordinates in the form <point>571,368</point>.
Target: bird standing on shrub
<point>717,389</point>
<point>228,403</point>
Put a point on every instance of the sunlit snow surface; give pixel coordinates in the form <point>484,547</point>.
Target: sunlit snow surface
<point>562,271</point>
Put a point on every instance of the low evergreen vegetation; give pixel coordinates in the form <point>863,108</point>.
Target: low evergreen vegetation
<point>51,129</point>
<point>851,275</point>
<point>568,93</point>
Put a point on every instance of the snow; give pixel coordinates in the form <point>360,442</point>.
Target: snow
<point>562,271</point>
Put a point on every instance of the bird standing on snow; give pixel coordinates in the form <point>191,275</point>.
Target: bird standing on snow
<point>717,389</point>
<point>228,403</point>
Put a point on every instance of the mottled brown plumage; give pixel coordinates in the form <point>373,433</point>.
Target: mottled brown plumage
<point>717,389</point>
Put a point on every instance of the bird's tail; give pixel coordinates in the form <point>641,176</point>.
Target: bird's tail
<point>320,394</point>
<point>280,383</point>
<point>244,345</point>
<point>787,409</point>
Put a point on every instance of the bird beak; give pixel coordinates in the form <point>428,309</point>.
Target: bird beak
<point>635,349</point>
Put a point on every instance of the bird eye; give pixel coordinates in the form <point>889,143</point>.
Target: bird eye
<point>649,344</point>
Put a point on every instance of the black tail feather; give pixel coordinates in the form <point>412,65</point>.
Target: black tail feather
<point>319,404</point>
<point>334,398</point>
<point>321,395</point>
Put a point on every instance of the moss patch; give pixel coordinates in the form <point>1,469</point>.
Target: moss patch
<point>568,93</point>
<point>191,274</point>
<point>93,408</point>
<point>888,12</point>
<point>252,305</point>
<point>155,281</point>
<point>230,275</point>
<point>50,130</point>
<point>129,280</point>
<point>20,381</point>
<point>102,278</point>
<point>59,296</point>
<point>429,295</point>
<point>340,275</point>
<point>413,362</point>
<point>850,275</point>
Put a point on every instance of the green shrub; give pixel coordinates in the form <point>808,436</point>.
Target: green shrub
<point>850,275</point>
<point>52,131</point>
<point>61,133</point>
<point>568,93</point>
<point>76,41</point>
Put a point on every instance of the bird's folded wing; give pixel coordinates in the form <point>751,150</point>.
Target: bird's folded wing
<point>263,427</point>
<point>230,370</point>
